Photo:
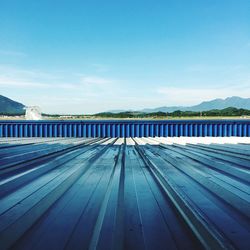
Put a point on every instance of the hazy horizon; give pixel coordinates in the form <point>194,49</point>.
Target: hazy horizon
<point>77,56</point>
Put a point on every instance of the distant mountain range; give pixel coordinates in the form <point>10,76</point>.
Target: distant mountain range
<point>10,107</point>
<point>234,101</point>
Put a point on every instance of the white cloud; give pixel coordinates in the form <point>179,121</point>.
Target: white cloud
<point>58,83</point>
<point>22,83</point>
<point>96,86</point>
<point>95,80</point>
<point>204,68</point>
<point>24,78</point>
<point>12,71</point>
<point>15,82</point>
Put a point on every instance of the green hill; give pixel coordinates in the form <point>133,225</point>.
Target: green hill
<point>10,107</point>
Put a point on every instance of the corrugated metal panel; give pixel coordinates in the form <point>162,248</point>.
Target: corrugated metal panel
<point>125,128</point>
<point>134,193</point>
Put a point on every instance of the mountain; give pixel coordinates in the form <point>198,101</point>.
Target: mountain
<point>10,107</point>
<point>234,101</point>
<point>163,109</point>
<point>117,111</point>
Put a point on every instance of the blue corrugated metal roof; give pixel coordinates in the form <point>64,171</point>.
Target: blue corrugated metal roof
<point>115,193</point>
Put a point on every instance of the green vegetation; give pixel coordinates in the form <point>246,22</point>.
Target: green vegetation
<point>227,112</point>
<point>211,113</point>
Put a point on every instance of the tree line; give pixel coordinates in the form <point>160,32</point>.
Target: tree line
<point>178,113</point>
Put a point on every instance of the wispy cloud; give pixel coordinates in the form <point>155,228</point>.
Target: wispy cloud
<point>88,85</point>
<point>15,82</point>
<point>28,83</point>
<point>11,77</point>
<point>95,80</point>
<point>13,71</point>
<point>203,68</point>
<point>12,53</point>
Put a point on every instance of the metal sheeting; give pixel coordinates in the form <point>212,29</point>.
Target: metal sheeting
<point>134,193</point>
<point>125,128</point>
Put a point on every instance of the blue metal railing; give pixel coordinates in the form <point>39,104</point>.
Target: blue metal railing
<point>125,128</point>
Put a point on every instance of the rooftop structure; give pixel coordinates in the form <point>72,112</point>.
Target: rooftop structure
<point>132,193</point>
<point>33,113</point>
<point>126,128</point>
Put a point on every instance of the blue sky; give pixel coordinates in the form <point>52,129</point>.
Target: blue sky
<point>72,56</point>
